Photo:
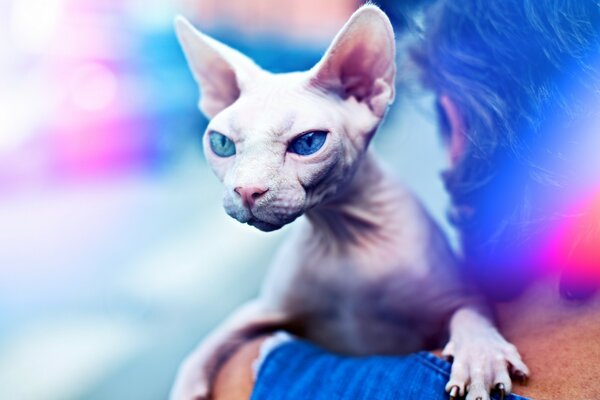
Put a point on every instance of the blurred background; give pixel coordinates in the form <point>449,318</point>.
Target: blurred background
<point>115,254</point>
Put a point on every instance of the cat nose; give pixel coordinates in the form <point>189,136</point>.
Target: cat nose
<point>250,194</point>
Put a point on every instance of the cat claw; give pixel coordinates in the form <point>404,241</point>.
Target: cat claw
<point>502,390</point>
<point>454,392</point>
<point>520,376</point>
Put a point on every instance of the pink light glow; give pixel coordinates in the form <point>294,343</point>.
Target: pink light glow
<point>93,86</point>
<point>575,246</point>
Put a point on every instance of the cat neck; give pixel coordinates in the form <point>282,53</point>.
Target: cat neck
<point>363,211</point>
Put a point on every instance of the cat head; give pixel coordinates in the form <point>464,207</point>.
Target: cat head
<point>284,143</point>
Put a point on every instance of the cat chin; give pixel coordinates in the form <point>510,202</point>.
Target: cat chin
<point>263,226</point>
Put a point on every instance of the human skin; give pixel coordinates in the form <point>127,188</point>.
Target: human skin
<point>559,339</point>
<point>234,381</point>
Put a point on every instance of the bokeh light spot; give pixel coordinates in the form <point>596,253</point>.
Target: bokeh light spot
<point>93,86</point>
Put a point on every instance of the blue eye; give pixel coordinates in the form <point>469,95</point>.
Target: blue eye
<point>221,145</point>
<point>308,143</point>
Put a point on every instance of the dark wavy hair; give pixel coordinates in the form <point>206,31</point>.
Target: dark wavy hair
<point>525,74</point>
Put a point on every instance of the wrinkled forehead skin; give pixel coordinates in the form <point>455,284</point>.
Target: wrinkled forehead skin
<point>279,107</point>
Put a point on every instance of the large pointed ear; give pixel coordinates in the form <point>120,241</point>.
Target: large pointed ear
<point>360,62</point>
<point>221,72</point>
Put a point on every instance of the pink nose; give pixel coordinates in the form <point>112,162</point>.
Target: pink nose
<point>250,194</point>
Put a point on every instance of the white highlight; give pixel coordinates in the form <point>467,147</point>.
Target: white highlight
<point>34,23</point>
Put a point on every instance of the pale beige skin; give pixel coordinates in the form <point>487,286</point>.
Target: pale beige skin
<point>365,271</point>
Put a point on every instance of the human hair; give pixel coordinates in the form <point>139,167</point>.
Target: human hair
<point>525,76</point>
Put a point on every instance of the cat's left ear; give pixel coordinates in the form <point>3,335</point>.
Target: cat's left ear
<point>360,62</point>
<point>221,72</point>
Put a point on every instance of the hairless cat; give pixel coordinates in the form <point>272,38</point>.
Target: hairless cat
<point>365,270</point>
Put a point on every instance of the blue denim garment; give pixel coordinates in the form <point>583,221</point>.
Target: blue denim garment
<point>298,370</point>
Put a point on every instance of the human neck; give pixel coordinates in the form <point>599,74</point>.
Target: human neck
<point>553,333</point>
<point>541,305</point>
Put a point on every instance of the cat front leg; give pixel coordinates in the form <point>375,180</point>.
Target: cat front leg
<point>482,359</point>
<point>198,370</point>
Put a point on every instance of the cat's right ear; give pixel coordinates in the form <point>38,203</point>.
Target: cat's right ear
<point>221,72</point>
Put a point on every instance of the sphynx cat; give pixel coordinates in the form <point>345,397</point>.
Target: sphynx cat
<point>365,271</point>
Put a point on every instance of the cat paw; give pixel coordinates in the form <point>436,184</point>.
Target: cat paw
<point>482,362</point>
<point>189,384</point>
<point>196,392</point>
